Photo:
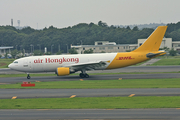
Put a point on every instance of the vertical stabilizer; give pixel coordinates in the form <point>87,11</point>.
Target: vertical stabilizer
<point>154,40</point>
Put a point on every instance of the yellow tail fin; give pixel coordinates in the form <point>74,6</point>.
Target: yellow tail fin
<point>154,40</point>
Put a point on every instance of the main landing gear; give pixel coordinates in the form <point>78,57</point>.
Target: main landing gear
<point>83,74</point>
<point>28,76</point>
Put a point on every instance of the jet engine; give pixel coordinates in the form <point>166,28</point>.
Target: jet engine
<point>63,71</point>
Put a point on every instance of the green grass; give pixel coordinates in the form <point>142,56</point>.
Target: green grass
<point>5,62</point>
<point>99,84</point>
<point>170,61</point>
<point>167,57</point>
<point>92,103</point>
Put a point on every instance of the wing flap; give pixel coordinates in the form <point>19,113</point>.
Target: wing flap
<point>88,65</point>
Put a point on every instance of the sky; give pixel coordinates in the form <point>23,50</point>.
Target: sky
<point>39,14</point>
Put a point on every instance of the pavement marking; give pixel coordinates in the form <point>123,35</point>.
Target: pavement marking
<point>131,95</point>
<point>42,109</point>
<point>81,79</point>
<point>72,96</point>
<point>14,97</point>
<point>178,108</point>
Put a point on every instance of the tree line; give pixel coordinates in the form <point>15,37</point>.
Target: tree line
<point>56,39</point>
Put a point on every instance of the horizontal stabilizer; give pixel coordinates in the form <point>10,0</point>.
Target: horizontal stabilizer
<point>151,55</point>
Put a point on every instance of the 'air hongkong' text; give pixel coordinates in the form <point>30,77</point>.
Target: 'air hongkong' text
<point>56,60</point>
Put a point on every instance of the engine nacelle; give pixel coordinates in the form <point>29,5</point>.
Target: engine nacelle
<point>63,71</point>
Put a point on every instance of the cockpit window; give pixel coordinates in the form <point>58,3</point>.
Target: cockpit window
<point>15,61</point>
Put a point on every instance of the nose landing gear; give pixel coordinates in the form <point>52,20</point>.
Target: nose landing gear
<point>28,76</point>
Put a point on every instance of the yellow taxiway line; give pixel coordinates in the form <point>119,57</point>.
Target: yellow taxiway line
<point>131,95</point>
<point>14,97</point>
<point>72,96</point>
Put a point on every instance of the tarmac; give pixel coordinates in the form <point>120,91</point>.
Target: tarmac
<point>102,114</point>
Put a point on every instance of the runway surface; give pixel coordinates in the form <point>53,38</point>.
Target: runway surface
<point>155,114</point>
<point>92,77</point>
<point>100,114</point>
<point>62,93</point>
<point>143,69</point>
<point>175,68</point>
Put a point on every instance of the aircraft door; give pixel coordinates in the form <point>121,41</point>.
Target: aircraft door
<point>30,65</point>
<point>27,65</point>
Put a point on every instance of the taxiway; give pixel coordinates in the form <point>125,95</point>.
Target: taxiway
<point>63,93</point>
<point>155,114</point>
<point>82,114</point>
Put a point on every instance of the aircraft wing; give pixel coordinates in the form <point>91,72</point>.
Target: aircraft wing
<point>88,65</point>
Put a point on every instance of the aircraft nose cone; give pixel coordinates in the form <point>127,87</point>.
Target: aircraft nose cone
<point>10,66</point>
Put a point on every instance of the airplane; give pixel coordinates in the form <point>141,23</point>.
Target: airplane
<point>67,64</point>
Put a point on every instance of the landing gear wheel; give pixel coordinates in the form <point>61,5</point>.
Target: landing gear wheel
<point>86,76</point>
<point>81,75</point>
<point>28,76</point>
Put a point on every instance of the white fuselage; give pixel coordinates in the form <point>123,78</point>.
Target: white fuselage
<point>49,63</point>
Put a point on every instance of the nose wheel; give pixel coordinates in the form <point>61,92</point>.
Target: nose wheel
<point>28,76</point>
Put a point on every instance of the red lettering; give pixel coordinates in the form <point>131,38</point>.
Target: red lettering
<point>60,61</point>
<point>38,60</point>
<point>72,60</point>
<point>64,60</point>
<point>52,60</point>
<point>35,61</point>
<point>56,60</point>
<point>68,60</point>
<point>49,60</point>
<point>76,60</point>
<point>120,58</point>
<point>125,58</point>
